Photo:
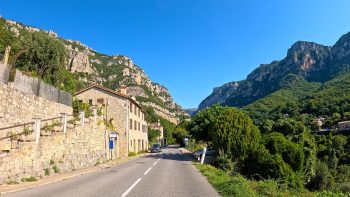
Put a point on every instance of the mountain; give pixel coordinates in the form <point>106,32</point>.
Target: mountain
<point>191,111</point>
<point>307,60</point>
<point>85,66</point>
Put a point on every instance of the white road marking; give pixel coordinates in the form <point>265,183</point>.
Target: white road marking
<point>147,171</point>
<point>131,187</point>
<point>158,159</point>
<point>155,163</point>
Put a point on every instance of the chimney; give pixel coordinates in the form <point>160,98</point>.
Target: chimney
<point>122,89</point>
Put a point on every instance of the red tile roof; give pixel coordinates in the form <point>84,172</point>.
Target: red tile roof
<point>110,91</point>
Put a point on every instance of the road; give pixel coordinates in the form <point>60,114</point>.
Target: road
<point>166,174</point>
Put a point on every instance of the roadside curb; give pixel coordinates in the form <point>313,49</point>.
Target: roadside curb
<point>69,175</point>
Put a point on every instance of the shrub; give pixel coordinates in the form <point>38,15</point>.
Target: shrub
<point>345,187</point>
<point>47,171</point>
<point>132,154</point>
<point>29,179</point>
<point>323,178</point>
<point>291,153</point>
<point>80,106</point>
<point>224,163</point>
<point>261,164</point>
<point>55,169</point>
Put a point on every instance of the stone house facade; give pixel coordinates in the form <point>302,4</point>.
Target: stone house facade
<point>115,106</point>
<point>138,137</point>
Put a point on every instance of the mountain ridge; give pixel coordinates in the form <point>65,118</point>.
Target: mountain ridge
<point>312,61</point>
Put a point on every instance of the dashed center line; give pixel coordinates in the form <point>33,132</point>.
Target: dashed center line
<point>130,188</point>
<point>147,171</point>
<point>138,180</point>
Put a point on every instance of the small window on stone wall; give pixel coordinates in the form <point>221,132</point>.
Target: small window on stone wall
<point>130,124</point>
<point>90,101</point>
<point>100,101</point>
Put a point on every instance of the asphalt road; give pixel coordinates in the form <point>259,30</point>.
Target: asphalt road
<point>166,174</point>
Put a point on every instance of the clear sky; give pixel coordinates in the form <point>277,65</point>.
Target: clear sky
<point>190,46</point>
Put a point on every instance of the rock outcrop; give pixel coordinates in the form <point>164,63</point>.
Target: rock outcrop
<point>309,60</point>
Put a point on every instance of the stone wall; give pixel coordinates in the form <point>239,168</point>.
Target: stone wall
<point>18,107</point>
<point>79,147</point>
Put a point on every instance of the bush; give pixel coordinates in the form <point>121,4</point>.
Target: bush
<point>132,154</point>
<point>55,169</point>
<point>344,187</point>
<point>29,179</point>
<point>291,153</point>
<point>323,179</point>
<point>224,163</point>
<point>47,171</point>
<point>261,165</point>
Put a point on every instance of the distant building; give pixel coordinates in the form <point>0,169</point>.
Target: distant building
<point>126,114</point>
<point>344,126</point>
<point>159,127</point>
<point>318,121</point>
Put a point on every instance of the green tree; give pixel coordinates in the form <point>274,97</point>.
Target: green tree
<point>200,124</point>
<point>291,153</point>
<point>179,135</point>
<point>233,132</point>
<point>153,134</point>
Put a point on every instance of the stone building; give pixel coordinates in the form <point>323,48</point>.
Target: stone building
<point>138,138</point>
<point>123,112</point>
<point>159,127</point>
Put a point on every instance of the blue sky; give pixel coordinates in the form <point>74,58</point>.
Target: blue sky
<point>190,46</point>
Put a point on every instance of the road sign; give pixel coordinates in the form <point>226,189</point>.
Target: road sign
<point>111,144</point>
<point>113,135</point>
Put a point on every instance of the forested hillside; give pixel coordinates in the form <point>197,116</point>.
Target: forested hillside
<point>71,65</point>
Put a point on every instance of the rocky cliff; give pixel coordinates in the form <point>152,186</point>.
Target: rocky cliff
<point>309,60</point>
<point>113,71</point>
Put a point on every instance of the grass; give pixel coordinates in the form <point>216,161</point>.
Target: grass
<point>12,183</point>
<point>132,154</point>
<point>29,179</point>
<point>238,186</point>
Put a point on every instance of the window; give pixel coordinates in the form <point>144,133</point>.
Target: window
<point>139,126</point>
<point>131,107</point>
<point>130,124</point>
<point>138,112</point>
<point>100,101</point>
<point>90,102</point>
<point>135,125</point>
<point>130,142</point>
<point>135,108</point>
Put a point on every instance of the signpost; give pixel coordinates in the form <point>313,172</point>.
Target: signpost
<point>112,137</point>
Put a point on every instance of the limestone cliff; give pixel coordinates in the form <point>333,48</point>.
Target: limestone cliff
<point>113,71</point>
<point>308,60</point>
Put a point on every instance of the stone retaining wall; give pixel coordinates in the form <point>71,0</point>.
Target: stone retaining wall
<point>17,107</point>
<point>80,147</point>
